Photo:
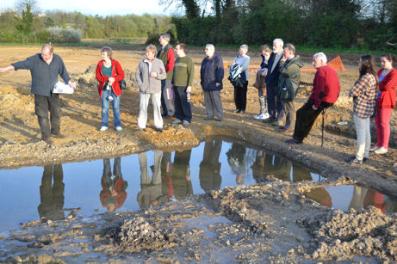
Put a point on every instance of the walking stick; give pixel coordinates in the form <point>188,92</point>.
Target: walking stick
<point>322,128</point>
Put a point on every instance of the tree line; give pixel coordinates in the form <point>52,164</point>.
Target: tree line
<point>369,24</point>
<point>25,25</point>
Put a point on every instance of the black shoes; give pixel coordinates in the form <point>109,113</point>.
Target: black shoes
<point>57,135</point>
<point>354,161</point>
<point>293,141</point>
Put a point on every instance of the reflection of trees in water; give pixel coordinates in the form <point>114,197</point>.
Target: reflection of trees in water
<point>113,193</point>
<point>210,167</point>
<point>150,192</point>
<point>52,193</point>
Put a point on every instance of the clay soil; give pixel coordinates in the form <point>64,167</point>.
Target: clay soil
<point>240,221</point>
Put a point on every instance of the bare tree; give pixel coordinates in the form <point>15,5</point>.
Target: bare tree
<point>192,8</point>
<point>21,5</point>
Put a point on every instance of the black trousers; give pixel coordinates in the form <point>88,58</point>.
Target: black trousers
<point>183,109</point>
<point>274,103</point>
<point>240,97</point>
<point>305,118</point>
<point>52,193</point>
<point>43,105</point>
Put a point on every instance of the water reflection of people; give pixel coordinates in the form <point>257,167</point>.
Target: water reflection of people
<point>281,168</point>
<point>270,164</point>
<point>182,185</point>
<point>321,196</point>
<point>237,160</point>
<point>150,185</point>
<point>52,193</point>
<point>210,167</point>
<point>113,193</point>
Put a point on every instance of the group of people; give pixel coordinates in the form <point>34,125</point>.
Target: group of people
<point>374,94</point>
<point>277,81</point>
<point>165,77</point>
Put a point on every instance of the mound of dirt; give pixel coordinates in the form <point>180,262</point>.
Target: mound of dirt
<point>342,236</point>
<point>137,234</point>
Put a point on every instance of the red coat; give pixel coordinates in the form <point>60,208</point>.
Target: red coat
<point>387,88</point>
<point>117,74</point>
<point>326,86</point>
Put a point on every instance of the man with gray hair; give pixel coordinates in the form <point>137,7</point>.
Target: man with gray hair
<point>44,68</point>
<point>211,76</point>
<point>273,101</point>
<point>167,55</point>
<point>326,88</point>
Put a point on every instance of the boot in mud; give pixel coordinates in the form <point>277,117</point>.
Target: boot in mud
<point>263,114</point>
<point>45,129</point>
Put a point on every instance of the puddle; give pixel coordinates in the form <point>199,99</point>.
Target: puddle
<point>136,181</point>
<point>345,197</point>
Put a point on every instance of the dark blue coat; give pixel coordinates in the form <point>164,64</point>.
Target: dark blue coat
<point>212,72</point>
<point>272,77</point>
<point>264,64</point>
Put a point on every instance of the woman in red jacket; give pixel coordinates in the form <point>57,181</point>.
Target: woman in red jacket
<point>109,74</point>
<point>386,100</point>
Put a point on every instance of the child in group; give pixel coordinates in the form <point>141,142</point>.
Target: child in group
<point>260,83</point>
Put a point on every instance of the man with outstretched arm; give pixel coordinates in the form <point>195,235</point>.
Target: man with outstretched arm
<point>44,68</point>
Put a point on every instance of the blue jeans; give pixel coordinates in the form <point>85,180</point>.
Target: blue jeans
<point>105,108</point>
<point>183,109</point>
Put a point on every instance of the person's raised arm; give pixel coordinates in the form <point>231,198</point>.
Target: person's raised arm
<point>7,69</point>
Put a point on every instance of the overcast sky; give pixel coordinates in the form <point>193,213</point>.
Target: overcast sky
<point>99,7</point>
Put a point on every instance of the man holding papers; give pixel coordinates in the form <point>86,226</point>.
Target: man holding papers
<point>45,68</point>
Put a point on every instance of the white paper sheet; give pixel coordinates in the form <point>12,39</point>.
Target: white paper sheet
<point>62,88</point>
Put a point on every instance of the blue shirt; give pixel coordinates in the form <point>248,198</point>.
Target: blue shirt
<point>44,76</point>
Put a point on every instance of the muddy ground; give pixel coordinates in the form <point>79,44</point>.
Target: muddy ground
<point>272,222</point>
<point>234,224</point>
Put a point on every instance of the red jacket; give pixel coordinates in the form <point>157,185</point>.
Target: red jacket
<point>326,86</point>
<point>117,74</point>
<point>387,88</point>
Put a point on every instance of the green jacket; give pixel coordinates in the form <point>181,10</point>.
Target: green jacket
<point>289,79</point>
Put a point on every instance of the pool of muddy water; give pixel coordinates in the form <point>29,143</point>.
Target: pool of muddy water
<point>140,180</point>
<point>345,197</point>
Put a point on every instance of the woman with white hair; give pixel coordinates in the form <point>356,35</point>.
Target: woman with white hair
<point>241,63</point>
<point>211,76</point>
